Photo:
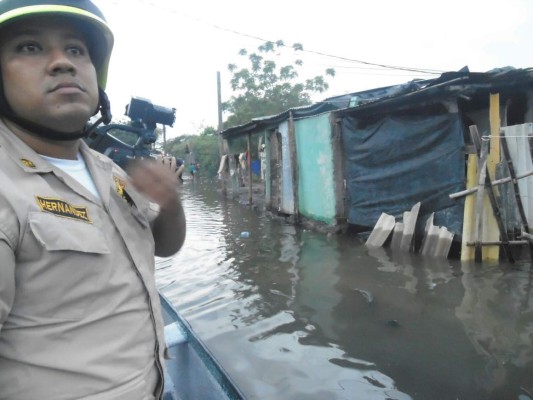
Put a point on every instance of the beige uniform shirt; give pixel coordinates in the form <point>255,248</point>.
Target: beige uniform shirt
<point>79,312</point>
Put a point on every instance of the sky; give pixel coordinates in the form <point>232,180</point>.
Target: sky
<point>169,51</point>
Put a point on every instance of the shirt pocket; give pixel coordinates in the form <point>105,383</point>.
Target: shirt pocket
<point>65,263</point>
<point>57,233</point>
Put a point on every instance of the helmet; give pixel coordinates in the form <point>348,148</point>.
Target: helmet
<point>84,14</point>
<point>90,20</point>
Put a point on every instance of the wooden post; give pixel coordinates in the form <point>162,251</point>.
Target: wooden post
<point>497,182</point>
<point>268,172</point>
<point>480,201</point>
<point>220,126</point>
<point>490,226</point>
<point>294,165</point>
<point>467,252</point>
<point>480,227</point>
<point>221,150</point>
<point>497,215</point>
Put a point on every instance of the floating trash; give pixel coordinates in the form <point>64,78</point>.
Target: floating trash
<point>369,297</point>
<point>245,234</point>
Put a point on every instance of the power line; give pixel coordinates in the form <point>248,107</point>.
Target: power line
<point>152,3</point>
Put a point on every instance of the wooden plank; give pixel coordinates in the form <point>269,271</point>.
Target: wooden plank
<point>249,164</point>
<point>431,237</point>
<point>426,237</point>
<point>381,231</point>
<point>476,138</point>
<point>497,216</point>
<point>291,137</point>
<point>444,243</point>
<point>498,243</point>
<point>397,235</point>
<point>480,203</point>
<point>493,183</point>
<point>490,227</point>
<point>467,253</point>
<point>409,222</point>
<point>437,240</point>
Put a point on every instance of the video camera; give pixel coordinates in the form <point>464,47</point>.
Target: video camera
<point>123,143</point>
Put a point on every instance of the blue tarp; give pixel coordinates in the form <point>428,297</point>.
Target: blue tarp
<point>256,167</point>
<point>395,162</point>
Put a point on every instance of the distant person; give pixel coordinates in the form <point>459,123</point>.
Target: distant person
<point>80,314</point>
<point>192,169</point>
<point>175,164</point>
<point>180,166</point>
<point>262,157</point>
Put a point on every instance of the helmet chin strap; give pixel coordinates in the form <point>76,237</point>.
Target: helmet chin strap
<point>52,134</point>
<point>104,106</point>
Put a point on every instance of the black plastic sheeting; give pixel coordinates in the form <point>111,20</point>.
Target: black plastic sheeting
<point>396,162</point>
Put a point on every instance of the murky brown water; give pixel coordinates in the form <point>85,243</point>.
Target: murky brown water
<point>295,314</point>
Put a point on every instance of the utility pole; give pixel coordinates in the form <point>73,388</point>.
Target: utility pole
<point>219,131</point>
<point>220,127</point>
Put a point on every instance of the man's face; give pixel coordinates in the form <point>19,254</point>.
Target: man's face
<point>47,72</point>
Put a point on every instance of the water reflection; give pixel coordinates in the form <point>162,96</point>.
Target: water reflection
<point>295,314</point>
<point>497,315</point>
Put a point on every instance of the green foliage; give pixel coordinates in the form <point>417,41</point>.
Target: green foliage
<point>202,149</point>
<point>209,131</point>
<point>265,88</point>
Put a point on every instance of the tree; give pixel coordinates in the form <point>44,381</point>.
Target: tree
<point>202,149</point>
<point>265,89</point>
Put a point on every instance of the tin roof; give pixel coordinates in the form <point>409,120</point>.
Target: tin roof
<point>447,85</point>
<point>266,122</point>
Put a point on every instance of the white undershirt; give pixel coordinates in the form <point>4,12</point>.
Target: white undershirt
<point>77,169</point>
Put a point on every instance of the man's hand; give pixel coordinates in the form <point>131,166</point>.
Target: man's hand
<point>157,181</point>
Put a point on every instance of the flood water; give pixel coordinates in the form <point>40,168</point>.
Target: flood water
<point>297,314</point>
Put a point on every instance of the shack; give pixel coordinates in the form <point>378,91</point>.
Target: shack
<point>303,171</point>
<point>411,143</point>
<point>346,160</point>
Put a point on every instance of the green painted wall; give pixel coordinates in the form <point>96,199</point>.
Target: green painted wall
<point>316,187</point>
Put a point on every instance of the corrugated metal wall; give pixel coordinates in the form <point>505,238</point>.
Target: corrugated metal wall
<point>316,186</point>
<point>287,188</point>
<point>519,148</point>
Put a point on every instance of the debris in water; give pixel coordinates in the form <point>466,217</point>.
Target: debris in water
<point>369,297</point>
<point>374,382</point>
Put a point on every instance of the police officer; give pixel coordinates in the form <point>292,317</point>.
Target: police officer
<point>79,310</point>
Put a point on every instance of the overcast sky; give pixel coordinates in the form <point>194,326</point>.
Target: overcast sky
<point>169,51</point>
